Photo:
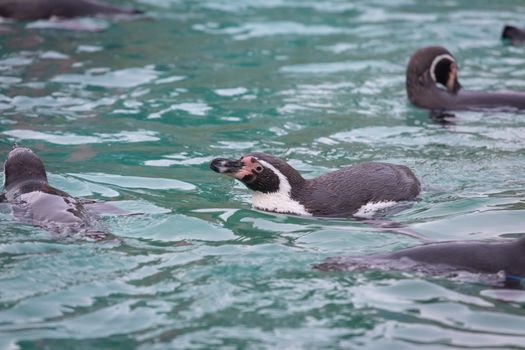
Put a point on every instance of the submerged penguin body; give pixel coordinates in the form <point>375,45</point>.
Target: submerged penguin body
<point>478,257</point>
<point>28,10</point>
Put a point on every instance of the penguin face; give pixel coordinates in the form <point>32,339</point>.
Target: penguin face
<point>443,70</point>
<point>23,164</point>
<point>257,175</point>
<point>428,68</point>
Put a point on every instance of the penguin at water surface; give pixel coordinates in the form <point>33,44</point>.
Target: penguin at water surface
<point>432,83</point>
<point>357,190</point>
<point>29,10</point>
<point>34,201</point>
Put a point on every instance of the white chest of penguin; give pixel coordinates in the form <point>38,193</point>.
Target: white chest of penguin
<point>280,201</point>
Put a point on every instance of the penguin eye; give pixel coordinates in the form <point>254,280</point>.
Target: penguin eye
<point>258,168</point>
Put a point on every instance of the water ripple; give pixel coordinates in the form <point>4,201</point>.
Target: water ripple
<point>137,181</point>
<point>263,29</point>
<point>337,67</point>
<point>123,78</point>
<point>75,139</point>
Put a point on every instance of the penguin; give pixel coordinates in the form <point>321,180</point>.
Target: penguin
<point>29,10</point>
<point>34,201</point>
<point>515,35</point>
<point>358,190</point>
<point>480,257</point>
<point>432,83</point>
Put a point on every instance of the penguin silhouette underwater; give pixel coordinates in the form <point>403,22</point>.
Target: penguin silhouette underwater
<point>496,257</point>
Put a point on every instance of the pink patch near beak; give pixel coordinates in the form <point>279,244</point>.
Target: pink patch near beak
<point>247,169</point>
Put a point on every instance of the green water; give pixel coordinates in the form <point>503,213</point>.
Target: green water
<point>133,114</point>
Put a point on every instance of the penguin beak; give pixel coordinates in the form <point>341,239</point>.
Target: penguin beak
<point>226,166</point>
<point>241,169</point>
<point>453,85</point>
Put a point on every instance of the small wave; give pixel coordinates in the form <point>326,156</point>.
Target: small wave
<point>262,29</point>
<point>123,78</point>
<point>75,139</point>
<point>152,183</point>
<point>231,92</point>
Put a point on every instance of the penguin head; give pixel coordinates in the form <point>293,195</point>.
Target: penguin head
<point>23,165</point>
<point>433,65</point>
<point>259,172</point>
<point>513,34</point>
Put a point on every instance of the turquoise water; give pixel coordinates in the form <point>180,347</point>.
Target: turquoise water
<point>133,111</point>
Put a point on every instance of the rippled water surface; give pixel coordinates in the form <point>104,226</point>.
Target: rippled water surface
<point>133,111</point>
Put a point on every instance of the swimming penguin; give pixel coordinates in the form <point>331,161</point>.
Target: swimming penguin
<point>34,201</point>
<point>515,35</point>
<point>487,257</point>
<point>434,65</point>
<point>45,9</point>
<point>354,190</point>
